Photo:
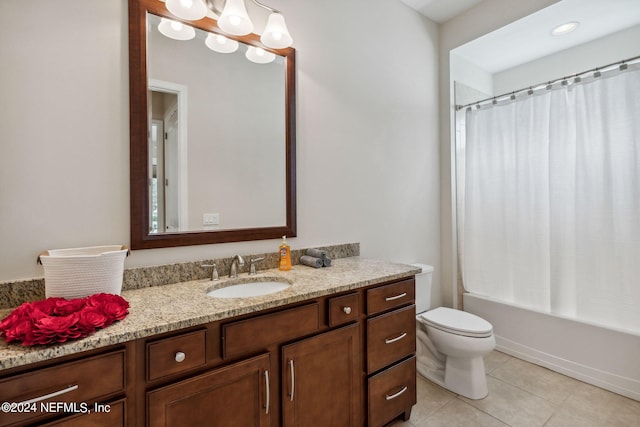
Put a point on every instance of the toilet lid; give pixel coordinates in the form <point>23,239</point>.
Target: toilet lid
<point>457,322</point>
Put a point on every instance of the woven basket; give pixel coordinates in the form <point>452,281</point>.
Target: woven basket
<point>80,272</point>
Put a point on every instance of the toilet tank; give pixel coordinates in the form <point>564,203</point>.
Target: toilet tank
<point>423,288</point>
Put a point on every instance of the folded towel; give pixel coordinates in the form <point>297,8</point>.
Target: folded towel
<point>317,253</point>
<point>326,262</point>
<point>311,261</point>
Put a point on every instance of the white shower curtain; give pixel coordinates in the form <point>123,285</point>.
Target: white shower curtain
<point>549,200</point>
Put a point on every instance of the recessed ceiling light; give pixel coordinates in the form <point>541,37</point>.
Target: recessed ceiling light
<point>563,29</point>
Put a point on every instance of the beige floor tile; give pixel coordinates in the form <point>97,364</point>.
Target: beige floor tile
<point>431,397</point>
<point>460,414</point>
<point>512,405</point>
<point>494,360</point>
<point>551,386</point>
<point>593,406</point>
<point>523,394</point>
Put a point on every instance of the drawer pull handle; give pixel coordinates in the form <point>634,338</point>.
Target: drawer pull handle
<point>293,379</point>
<point>392,340</point>
<point>266,382</point>
<point>393,396</point>
<point>49,396</point>
<point>402,295</point>
<point>180,356</point>
<point>347,310</point>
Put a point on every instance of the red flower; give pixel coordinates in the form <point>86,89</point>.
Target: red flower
<point>58,319</point>
<point>64,307</point>
<point>92,318</point>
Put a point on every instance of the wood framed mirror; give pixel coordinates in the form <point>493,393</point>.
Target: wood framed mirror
<point>231,176</point>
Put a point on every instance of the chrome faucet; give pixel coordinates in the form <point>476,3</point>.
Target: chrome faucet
<point>236,261</point>
<point>214,272</point>
<point>252,266</point>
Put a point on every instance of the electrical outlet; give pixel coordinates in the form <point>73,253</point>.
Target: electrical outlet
<point>211,219</point>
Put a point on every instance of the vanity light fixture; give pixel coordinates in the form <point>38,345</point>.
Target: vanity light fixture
<point>221,44</point>
<point>259,55</point>
<point>566,28</point>
<point>191,10</point>
<point>235,20</point>
<point>276,34</point>
<point>176,30</point>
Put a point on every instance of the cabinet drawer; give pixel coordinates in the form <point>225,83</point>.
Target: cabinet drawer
<point>390,296</point>
<point>81,381</point>
<point>390,337</point>
<point>176,354</point>
<point>392,392</point>
<point>344,309</point>
<point>256,333</point>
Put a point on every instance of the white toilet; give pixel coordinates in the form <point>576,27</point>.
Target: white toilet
<point>451,344</point>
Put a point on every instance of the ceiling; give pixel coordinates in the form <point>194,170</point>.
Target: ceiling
<point>530,37</point>
<point>441,10</point>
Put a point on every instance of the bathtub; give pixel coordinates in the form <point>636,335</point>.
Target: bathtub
<point>597,355</point>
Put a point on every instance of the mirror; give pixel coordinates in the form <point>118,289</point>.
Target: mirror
<point>212,136</point>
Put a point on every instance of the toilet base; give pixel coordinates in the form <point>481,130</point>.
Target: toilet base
<point>462,375</point>
<point>465,382</point>
<point>466,377</point>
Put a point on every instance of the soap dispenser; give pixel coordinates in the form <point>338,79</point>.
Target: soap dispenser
<point>284,258</point>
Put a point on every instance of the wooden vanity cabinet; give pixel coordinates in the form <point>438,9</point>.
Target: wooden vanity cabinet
<point>321,380</point>
<point>391,347</point>
<point>234,395</point>
<point>83,390</point>
<point>346,359</point>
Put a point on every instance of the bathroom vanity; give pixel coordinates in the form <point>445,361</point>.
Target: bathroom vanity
<point>336,348</point>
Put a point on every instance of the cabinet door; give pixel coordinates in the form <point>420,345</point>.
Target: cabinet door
<point>321,380</point>
<point>235,395</point>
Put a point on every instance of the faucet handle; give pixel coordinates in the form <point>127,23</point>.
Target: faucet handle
<point>252,268</point>
<point>214,273</point>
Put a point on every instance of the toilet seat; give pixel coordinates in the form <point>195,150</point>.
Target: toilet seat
<point>456,322</point>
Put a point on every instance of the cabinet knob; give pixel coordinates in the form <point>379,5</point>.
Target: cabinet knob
<point>347,310</point>
<point>180,356</point>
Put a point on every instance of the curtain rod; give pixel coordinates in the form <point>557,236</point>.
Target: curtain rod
<point>623,65</point>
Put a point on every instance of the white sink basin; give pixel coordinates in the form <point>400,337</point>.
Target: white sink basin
<point>249,289</point>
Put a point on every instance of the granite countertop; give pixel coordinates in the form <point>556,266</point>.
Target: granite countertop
<point>159,309</point>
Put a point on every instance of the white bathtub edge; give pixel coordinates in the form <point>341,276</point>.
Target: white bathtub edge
<point>595,355</point>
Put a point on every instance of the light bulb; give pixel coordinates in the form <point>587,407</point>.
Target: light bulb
<point>563,29</point>
<point>175,30</point>
<point>221,44</point>
<point>276,35</point>
<point>191,10</point>
<point>259,55</point>
<point>234,19</point>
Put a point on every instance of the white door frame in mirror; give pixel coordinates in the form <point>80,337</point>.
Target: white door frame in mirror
<point>182,161</point>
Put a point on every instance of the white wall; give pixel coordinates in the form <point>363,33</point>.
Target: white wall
<point>367,157</point>
<point>570,61</point>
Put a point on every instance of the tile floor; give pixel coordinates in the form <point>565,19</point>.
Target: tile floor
<point>523,394</point>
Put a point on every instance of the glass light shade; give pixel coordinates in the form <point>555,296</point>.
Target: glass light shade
<point>191,10</point>
<point>221,44</point>
<point>276,35</point>
<point>234,19</point>
<point>259,55</point>
<point>176,30</point>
